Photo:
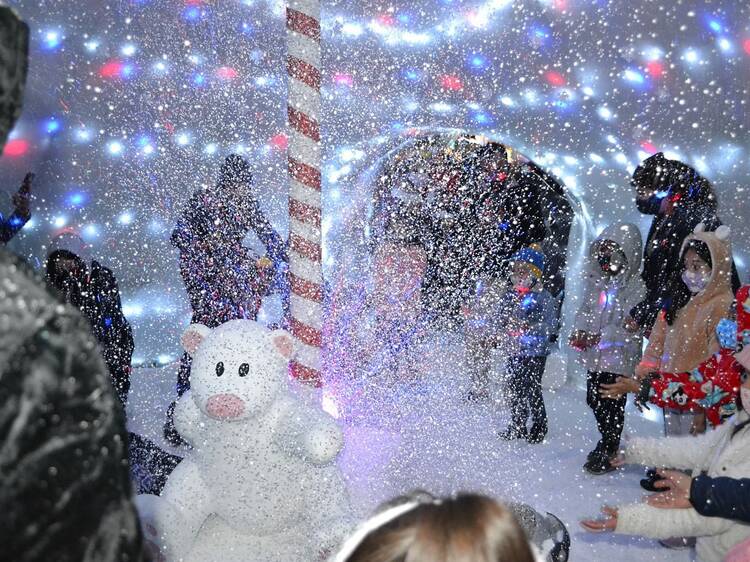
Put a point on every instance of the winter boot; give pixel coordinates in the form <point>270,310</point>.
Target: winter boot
<point>599,464</point>
<point>537,433</point>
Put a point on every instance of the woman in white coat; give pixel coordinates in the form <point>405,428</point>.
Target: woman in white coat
<point>724,451</point>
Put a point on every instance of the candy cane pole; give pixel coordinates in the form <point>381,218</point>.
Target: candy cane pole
<point>305,242</point>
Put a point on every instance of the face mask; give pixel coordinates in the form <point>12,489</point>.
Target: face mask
<point>695,282</point>
<point>745,396</point>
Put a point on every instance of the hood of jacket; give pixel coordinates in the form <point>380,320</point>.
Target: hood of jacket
<point>720,248</point>
<point>628,237</point>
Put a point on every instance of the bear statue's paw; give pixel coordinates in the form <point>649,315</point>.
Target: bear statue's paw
<point>323,443</point>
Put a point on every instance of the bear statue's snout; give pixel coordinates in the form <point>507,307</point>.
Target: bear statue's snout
<point>225,406</point>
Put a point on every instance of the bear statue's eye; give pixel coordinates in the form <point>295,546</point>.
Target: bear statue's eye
<point>219,369</point>
<point>244,369</point>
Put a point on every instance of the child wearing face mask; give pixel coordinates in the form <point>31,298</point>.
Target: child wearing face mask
<point>684,334</point>
<point>528,313</point>
<point>607,348</point>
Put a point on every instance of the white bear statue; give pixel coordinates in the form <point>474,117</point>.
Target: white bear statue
<point>260,483</point>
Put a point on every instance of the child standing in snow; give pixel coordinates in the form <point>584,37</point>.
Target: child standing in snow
<point>525,319</point>
<point>685,332</point>
<point>607,347</point>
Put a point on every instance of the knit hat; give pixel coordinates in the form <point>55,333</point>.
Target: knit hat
<point>533,256</point>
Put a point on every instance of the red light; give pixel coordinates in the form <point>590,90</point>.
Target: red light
<point>450,82</point>
<point>343,79</point>
<point>746,46</point>
<point>16,147</point>
<point>280,141</point>
<point>655,68</point>
<point>387,20</point>
<point>555,78</point>
<point>648,147</point>
<point>226,73</point>
<point>111,69</point>
<point>561,5</point>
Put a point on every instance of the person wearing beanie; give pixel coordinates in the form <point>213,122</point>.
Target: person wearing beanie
<point>606,348</point>
<point>519,318</point>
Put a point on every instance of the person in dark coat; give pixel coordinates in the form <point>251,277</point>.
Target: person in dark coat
<point>10,226</point>
<point>95,293</point>
<point>680,199</point>
<point>66,493</point>
<point>223,279</point>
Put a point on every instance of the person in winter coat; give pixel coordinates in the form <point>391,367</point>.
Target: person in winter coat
<point>95,293</point>
<point>223,279</point>
<point>10,226</point>
<point>607,348</point>
<point>66,494</point>
<point>685,333</point>
<point>467,527</point>
<point>521,321</point>
<point>680,199</point>
<point>722,452</point>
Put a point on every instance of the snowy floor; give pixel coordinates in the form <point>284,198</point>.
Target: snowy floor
<point>426,436</point>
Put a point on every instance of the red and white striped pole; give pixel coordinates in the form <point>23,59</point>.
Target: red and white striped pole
<point>305,241</point>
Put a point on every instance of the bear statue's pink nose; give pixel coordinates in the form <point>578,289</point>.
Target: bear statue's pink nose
<point>225,406</point>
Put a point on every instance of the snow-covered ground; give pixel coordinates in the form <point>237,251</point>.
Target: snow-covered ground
<point>423,434</point>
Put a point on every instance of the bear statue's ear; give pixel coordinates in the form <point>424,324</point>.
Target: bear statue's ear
<point>700,227</point>
<point>283,342</point>
<point>193,337</point>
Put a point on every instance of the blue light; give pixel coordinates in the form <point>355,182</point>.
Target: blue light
<point>125,218</point>
<point>192,14</point>
<point>76,199</point>
<point>90,231</point>
<point>82,135</point>
<point>539,35</point>
<point>127,71</point>
<point>246,28</point>
<point>52,125</point>
<point>199,79</point>
<point>115,148</point>
<point>714,24</point>
<point>411,74</point>
<point>481,118</point>
<point>478,62</point>
<point>634,77</point>
<point>51,40</point>
<point>403,18</point>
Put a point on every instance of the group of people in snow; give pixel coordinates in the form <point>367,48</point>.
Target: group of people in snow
<point>685,299</point>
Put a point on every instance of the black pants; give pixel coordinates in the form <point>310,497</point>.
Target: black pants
<point>525,391</point>
<point>609,413</point>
